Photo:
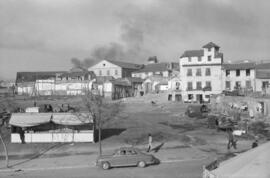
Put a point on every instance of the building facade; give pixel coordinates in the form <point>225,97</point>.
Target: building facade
<point>239,75</point>
<point>116,69</point>
<point>54,83</point>
<point>200,73</point>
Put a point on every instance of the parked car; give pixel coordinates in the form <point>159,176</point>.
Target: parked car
<point>126,156</point>
<point>233,93</point>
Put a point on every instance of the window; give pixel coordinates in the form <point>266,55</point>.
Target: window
<point>247,72</point>
<point>209,58</point>
<point>198,85</point>
<point>104,64</point>
<point>189,86</point>
<point>108,72</point>
<point>207,72</point>
<point>189,72</point>
<point>248,84</point>
<point>265,84</point>
<point>189,59</point>
<point>227,72</point>
<point>199,59</point>
<point>100,73</point>
<point>198,72</point>
<point>209,49</point>
<point>237,85</point>
<point>116,72</point>
<point>190,96</point>
<point>237,72</point>
<point>228,85</point>
<point>208,86</point>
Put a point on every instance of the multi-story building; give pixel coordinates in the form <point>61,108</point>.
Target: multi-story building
<point>116,69</point>
<point>200,73</point>
<point>240,75</point>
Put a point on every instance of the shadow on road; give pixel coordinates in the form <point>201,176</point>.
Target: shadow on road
<point>157,148</point>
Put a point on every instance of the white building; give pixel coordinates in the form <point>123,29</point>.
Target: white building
<point>239,75</point>
<point>116,69</point>
<point>200,72</point>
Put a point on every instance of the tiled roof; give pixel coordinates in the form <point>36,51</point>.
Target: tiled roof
<point>33,76</point>
<point>154,67</point>
<point>239,66</point>
<point>135,79</point>
<point>210,45</point>
<point>126,65</point>
<point>193,53</point>
<point>78,74</point>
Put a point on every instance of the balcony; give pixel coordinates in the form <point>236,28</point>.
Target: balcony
<point>207,88</point>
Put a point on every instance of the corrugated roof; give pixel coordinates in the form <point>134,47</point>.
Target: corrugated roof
<point>33,76</point>
<point>210,45</point>
<point>126,65</point>
<point>263,73</point>
<point>239,66</point>
<point>263,66</point>
<point>154,67</point>
<point>193,53</point>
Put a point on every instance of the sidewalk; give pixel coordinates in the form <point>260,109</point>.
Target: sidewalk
<point>80,156</point>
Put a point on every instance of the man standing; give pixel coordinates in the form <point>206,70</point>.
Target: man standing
<point>149,142</point>
<point>231,140</point>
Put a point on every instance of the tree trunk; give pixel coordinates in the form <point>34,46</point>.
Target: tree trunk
<point>99,134</point>
<point>5,149</point>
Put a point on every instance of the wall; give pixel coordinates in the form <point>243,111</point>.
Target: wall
<point>258,83</point>
<point>51,87</point>
<point>105,66</point>
<point>46,137</point>
<point>242,79</point>
<point>144,75</point>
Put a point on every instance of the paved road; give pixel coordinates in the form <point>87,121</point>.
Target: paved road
<point>186,169</point>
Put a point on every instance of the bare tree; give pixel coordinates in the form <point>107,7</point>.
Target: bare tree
<point>5,146</point>
<point>102,111</point>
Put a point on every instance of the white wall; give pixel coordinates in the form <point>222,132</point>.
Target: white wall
<point>258,83</point>
<point>242,78</point>
<point>105,66</point>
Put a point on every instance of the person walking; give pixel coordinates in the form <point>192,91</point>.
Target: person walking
<point>150,139</point>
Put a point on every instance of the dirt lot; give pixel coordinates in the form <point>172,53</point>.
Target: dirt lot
<point>166,122</point>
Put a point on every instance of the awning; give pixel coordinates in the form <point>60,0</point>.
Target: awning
<point>29,119</point>
<point>72,118</point>
<point>35,119</point>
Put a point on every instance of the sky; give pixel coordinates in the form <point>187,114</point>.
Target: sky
<point>44,35</point>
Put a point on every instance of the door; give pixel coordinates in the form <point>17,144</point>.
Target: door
<point>132,157</point>
<point>199,98</point>
<point>119,158</point>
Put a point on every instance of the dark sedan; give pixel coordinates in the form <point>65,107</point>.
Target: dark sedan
<point>126,156</point>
